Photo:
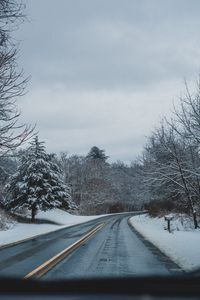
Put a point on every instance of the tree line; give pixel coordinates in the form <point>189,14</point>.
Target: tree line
<point>98,186</point>
<point>35,180</point>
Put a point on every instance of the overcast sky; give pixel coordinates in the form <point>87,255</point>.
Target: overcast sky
<point>103,72</point>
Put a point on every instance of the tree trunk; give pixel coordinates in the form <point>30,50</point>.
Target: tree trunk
<point>33,213</point>
<point>194,214</point>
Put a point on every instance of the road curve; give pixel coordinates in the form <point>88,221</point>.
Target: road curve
<point>115,250</point>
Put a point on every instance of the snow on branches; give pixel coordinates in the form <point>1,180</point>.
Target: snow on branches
<point>38,183</point>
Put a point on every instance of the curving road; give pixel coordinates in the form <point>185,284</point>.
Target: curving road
<point>115,250</point>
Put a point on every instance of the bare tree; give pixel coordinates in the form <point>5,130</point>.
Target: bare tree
<point>168,165</point>
<point>12,82</point>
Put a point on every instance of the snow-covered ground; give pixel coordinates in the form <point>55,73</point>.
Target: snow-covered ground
<point>19,231</point>
<point>63,218</point>
<point>182,245</point>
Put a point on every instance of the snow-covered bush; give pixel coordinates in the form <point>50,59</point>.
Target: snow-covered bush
<point>182,222</point>
<point>6,221</point>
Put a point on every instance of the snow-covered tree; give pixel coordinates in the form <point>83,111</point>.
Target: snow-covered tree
<point>99,187</point>
<point>169,170</point>
<point>96,153</point>
<point>38,182</point>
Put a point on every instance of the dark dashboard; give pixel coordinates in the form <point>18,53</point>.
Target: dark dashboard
<point>183,287</point>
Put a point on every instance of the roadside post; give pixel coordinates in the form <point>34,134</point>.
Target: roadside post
<point>169,218</point>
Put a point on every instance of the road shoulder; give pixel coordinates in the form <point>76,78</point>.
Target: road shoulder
<point>171,265</point>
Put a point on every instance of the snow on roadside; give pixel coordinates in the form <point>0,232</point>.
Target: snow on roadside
<point>18,231</point>
<point>62,217</point>
<point>182,246</point>
<point>23,231</point>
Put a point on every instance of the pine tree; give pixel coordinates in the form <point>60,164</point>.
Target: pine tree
<point>96,153</point>
<point>38,183</point>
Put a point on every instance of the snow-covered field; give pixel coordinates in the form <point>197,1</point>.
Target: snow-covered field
<point>182,245</point>
<point>19,231</point>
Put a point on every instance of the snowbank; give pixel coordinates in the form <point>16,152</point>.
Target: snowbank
<point>18,231</point>
<point>63,218</point>
<point>182,246</point>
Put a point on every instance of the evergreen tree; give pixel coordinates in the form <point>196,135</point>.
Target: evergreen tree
<point>38,183</point>
<point>96,153</point>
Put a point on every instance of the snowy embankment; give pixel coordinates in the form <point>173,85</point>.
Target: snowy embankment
<point>17,231</point>
<point>182,245</point>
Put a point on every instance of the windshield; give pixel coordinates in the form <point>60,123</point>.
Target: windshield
<point>99,138</point>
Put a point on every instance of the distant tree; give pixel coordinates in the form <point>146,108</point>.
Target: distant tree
<point>38,182</point>
<point>97,186</point>
<point>125,180</point>
<point>8,166</point>
<point>96,153</point>
<point>75,174</point>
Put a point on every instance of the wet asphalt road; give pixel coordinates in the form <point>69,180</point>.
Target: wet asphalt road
<point>115,250</point>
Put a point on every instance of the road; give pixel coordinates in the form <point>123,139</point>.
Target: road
<point>114,250</point>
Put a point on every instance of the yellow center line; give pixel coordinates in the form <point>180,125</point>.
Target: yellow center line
<point>49,264</point>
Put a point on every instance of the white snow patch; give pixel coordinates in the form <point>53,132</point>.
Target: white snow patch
<point>19,231</point>
<point>64,218</point>
<point>182,245</point>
